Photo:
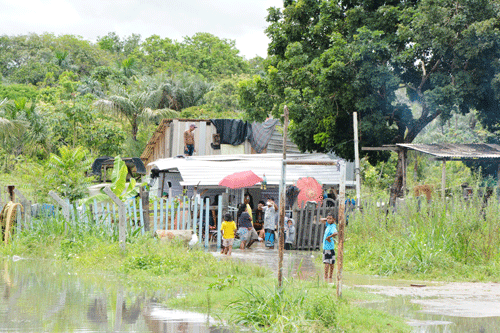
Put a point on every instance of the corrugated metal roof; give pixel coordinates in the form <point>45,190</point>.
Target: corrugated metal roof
<point>210,170</point>
<point>457,151</point>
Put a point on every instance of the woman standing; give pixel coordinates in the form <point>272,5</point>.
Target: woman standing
<point>245,228</point>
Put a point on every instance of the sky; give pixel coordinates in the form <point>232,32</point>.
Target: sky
<point>240,20</point>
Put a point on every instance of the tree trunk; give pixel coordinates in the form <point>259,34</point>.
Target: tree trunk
<point>397,187</point>
<point>135,129</point>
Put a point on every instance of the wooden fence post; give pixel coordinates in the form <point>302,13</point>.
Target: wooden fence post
<point>26,204</point>
<point>121,217</point>
<point>282,189</point>
<point>64,205</point>
<point>341,217</point>
<point>145,207</point>
<point>10,189</point>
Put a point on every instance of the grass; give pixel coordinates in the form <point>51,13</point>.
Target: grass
<point>452,240</point>
<point>239,294</point>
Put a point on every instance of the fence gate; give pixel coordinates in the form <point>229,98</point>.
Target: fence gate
<point>309,228</point>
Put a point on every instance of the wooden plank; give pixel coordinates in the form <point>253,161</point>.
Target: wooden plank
<point>195,214</point>
<point>122,217</point>
<point>141,215</point>
<point>300,233</point>
<point>201,144</point>
<point>219,222</point>
<point>135,213</point>
<point>317,227</point>
<point>310,234</point>
<point>161,214</point>
<point>184,200</point>
<point>200,225</point>
<point>155,210</point>
<point>172,210</point>
<point>178,221</point>
<point>391,148</point>
<point>207,221</point>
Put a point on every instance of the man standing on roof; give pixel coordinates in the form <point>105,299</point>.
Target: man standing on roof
<point>189,140</point>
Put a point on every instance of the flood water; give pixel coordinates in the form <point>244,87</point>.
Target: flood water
<point>427,306</point>
<point>42,296</point>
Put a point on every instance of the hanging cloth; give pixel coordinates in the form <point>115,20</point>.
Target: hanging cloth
<point>261,134</point>
<point>232,131</point>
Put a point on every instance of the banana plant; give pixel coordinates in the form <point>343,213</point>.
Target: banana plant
<point>118,184</point>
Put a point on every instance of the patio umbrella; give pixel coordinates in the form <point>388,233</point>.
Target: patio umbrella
<point>310,190</point>
<point>240,180</point>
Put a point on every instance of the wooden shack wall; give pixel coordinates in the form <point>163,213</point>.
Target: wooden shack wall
<point>168,140</point>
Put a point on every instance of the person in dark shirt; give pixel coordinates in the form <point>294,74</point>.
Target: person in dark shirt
<point>245,226</point>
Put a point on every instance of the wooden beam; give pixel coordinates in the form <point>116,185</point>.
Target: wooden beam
<point>385,148</point>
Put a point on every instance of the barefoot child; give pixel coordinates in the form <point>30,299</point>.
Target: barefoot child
<point>228,228</point>
<point>329,245</point>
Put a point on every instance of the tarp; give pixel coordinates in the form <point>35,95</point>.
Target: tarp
<point>261,134</point>
<point>232,131</point>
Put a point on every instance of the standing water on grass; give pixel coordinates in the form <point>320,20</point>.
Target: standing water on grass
<point>45,296</point>
<point>427,307</point>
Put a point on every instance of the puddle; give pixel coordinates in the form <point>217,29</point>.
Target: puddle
<point>45,297</point>
<point>427,306</point>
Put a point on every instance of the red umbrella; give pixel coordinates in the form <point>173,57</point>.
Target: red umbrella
<point>310,190</point>
<point>240,179</point>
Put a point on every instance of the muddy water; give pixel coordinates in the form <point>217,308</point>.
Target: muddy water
<point>42,296</point>
<point>427,306</point>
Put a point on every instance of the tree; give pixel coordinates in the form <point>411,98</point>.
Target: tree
<point>330,58</point>
<point>211,56</point>
<point>136,105</point>
<point>66,172</point>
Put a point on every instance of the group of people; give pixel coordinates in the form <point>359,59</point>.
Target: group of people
<point>248,235</point>
<point>246,230</point>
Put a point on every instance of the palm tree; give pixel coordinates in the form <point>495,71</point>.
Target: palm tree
<point>136,106</point>
<point>9,127</point>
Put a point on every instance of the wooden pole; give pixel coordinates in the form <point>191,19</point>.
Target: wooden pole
<point>281,232</point>
<point>356,158</point>
<point>443,179</point>
<point>121,217</point>
<point>10,189</point>
<point>64,205</point>
<point>341,218</point>
<point>404,174</point>
<point>144,194</point>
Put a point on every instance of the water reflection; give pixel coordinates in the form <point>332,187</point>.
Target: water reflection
<point>40,296</point>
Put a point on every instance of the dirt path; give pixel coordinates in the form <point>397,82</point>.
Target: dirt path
<point>450,299</point>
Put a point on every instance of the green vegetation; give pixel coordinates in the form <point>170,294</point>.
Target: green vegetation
<point>222,287</point>
<point>327,59</point>
<point>455,240</point>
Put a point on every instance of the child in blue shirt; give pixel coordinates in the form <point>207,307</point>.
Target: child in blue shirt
<point>329,245</point>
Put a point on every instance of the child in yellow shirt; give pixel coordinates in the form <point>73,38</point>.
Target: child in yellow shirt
<point>228,228</point>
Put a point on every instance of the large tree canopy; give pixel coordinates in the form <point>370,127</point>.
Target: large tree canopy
<point>330,58</point>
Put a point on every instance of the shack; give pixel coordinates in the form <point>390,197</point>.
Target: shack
<point>200,175</point>
<point>215,137</point>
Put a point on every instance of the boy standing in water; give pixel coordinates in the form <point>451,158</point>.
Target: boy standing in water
<point>228,228</point>
<point>329,245</point>
<point>270,214</point>
<point>289,234</point>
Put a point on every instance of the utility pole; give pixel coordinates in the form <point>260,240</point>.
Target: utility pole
<point>340,255</point>
<point>281,229</point>
<point>356,159</point>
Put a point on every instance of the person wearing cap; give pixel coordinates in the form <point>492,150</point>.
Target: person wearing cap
<point>189,140</point>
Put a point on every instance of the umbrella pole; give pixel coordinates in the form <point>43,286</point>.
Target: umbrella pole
<point>282,202</point>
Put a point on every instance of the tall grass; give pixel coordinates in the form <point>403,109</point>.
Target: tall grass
<point>284,310</point>
<point>450,238</point>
